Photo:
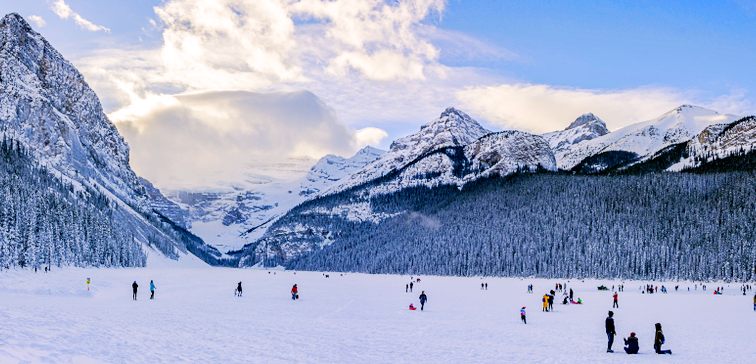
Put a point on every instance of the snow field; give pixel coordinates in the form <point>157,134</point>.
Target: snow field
<point>354,318</point>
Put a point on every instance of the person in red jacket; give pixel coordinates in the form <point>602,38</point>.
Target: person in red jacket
<point>294,292</point>
<point>615,297</point>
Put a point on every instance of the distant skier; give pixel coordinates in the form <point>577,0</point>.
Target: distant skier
<point>152,290</point>
<point>631,344</point>
<point>522,315</point>
<point>615,303</point>
<point>659,340</point>
<point>238,292</point>
<point>134,287</point>
<point>294,292</point>
<point>610,331</point>
<point>411,285</point>
<point>423,299</point>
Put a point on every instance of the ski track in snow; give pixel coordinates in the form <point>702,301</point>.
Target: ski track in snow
<point>356,318</point>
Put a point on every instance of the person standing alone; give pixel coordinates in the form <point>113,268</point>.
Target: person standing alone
<point>615,304</point>
<point>134,287</point>
<point>423,299</point>
<point>152,290</point>
<point>522,315</point>
<point>610,331</point>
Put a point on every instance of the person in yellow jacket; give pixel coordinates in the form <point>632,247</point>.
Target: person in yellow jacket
<point>545,301</point>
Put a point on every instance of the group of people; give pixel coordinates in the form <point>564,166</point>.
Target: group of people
<point>484,286</point>
<point>135,289</point>
<point>631,342</point>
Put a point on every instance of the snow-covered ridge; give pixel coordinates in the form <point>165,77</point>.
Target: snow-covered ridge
<point>452,128</point>
<point>719,141</point>
<point>648,137</point>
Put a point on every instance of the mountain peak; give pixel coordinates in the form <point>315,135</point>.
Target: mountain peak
<point>585,119</point>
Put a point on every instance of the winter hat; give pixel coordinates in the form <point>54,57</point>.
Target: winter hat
<point>632,334</point>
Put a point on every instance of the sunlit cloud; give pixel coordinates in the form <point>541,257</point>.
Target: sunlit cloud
<point>63,11</point>
<point>37,20</point>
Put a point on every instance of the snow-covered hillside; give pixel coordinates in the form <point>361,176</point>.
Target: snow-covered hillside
<point>355,318</point>
<point>645,138</point>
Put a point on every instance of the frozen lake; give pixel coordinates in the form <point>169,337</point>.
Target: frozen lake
<point>354,318</point>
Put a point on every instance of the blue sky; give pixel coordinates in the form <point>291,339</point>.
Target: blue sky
<point>373,71</point>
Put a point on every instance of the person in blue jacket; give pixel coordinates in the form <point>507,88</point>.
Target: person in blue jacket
<point>152,290</point>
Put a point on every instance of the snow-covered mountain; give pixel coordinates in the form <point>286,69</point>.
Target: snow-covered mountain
<point>332,168</point>
<point>642,139</point>
<point>452,128</point>
<point>585,127</point>
<point>47,106</point>
<point>452,150</point>
<point>230,217</point>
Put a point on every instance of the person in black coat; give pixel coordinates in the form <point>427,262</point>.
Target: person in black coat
<point>659,340</point>
<point>610,331</point>
<point>134,287</point>
<point>423,299</point>
<point>631,344</point>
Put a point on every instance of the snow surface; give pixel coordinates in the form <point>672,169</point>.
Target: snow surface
<point>351,319</point>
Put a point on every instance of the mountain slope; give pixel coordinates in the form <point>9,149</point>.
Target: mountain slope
<point>332,168</point>
<point>47,106</point>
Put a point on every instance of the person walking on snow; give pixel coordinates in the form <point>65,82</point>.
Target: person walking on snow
<point>610,331</point>
<point>88,282</point>
<point>152,290</point>
<point>570,294</point>
<point>134,287</point>
<point>545,301</point>
<point>631,344</point>
<point>522,315</point>
<point>615,297</point>
<point>294,292</point>
<point>238,292</point>
<point>423,299</point>
<point>411,284</point>
<point>406,288</point>
<point>659,340</point>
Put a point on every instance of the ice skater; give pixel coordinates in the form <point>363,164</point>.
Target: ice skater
<point>134,287</point>
<point>659,340</point>
<point>631,344</point>
<point>610,331</point>
<point>152,290</point>
<point>423,299</point>
<point>522,315</point>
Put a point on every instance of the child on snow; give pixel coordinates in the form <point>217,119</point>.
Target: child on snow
<point>412,307</point>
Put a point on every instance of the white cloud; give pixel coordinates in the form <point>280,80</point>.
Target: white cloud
<point>63,11</point>
<point>212,138</point>
<point>542,108</point>
<point>37,20</point>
